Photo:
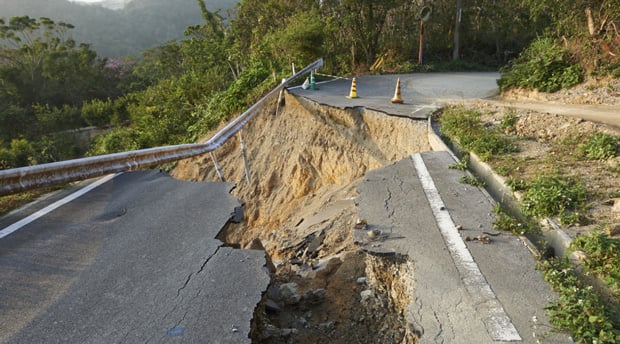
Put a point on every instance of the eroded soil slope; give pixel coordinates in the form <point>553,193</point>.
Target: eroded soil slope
<point>300,206</point>
<point>304,153</point>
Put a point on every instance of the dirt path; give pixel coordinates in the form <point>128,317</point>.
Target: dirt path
<point>607,114</point>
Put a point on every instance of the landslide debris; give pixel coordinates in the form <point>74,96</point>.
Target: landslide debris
<point>300,207</point>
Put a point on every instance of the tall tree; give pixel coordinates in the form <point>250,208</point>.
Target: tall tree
<point>457,30</point>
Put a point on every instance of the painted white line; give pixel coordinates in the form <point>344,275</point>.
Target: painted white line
<point>498,324</point>
<point>23,222</point>
<point>423,107</point>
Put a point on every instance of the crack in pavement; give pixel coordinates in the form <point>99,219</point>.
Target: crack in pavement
<point>199,271</point>
<point>439,336</point>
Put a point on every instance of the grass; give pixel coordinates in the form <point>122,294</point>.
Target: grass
<point>555,195</point>
<point>579,309</point>
<point>508,223</point>
<point>11,202</point>
<point>509,120</point>
<point>603,254</point>
<point>462,165</point>
<point>599,146</point>
<point>551,187</point>
<point>471,180</point>
<point>465,128</point>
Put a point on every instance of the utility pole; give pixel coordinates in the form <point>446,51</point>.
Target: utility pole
<point>425,14</point>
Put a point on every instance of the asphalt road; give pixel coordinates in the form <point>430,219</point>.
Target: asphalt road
<point>465,291</point>
<point>422,93</point>
<point>134,260</point>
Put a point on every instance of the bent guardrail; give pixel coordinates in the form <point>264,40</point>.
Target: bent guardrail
<point>31,177</point>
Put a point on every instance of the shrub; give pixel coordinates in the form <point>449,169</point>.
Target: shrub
<point>603,254</point>
<point>543,66</point>
<point>555,196</point>
<point>600,146</point>
<point>579,309</point>
<point>97,112</point>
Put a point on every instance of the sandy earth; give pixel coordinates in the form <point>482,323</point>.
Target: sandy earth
<point>300,205</point>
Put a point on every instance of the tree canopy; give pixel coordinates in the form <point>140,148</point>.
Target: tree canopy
<point>177,91</point>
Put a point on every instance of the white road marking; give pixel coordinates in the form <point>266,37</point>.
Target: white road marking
<point>23,222</point>
<point>498,324</point>
<point>423,107</point>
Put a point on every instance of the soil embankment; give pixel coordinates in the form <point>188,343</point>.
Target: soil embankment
<point>300,206</point>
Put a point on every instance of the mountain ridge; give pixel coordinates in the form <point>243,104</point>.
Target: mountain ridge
<point>139,25</point>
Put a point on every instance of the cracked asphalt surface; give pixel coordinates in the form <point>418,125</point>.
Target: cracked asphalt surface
<point>452,306</point>
<point>131,264</point>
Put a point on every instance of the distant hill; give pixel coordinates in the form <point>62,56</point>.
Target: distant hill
<point>141,24</point>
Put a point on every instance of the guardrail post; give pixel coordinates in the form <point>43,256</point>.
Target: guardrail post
<point>245,158</point>
<point>280,99</point>
<point>217,167</point>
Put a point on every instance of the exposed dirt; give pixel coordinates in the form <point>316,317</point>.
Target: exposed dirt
<point>300,205</point>
<point>605,91</point>
<point>549,143</point>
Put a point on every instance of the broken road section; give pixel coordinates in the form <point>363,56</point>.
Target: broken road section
<point>479,291</point>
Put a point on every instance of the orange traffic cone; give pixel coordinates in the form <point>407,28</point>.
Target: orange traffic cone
<point>353,93</point>
<point>397,98</point>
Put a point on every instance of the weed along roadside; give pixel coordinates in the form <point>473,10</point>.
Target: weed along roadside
<point>557,182</point>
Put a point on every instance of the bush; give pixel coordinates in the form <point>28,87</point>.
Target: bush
<point>97,112</point>
<point>118,140</point>
<point>555,196</point>
<point>603,254</point>
<point>579,309</point>
<point>543,66</point>
<point>600,146</point>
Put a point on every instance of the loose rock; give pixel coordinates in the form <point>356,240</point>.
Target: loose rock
<point>288,293</point>
<point>366,295</point>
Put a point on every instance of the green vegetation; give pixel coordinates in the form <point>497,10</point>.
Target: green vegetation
<point>508,223</point>
<point>579,309</point>
<point>177,92</point>
<point>550,189</point>
<point>603,257</point>
<point>516,184</point>
<point>553,195</point>
<point>45,79</point>
<point>600,146</point>
<point>471,180</point>
<point>462,165</point>
<point>579,38</point>
<point>544,66</point>
<point>509,120</point>
<point>140,25</point>
<point>467,130</point>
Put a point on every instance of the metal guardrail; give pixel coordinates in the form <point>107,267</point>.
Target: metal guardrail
<point>26,178</point>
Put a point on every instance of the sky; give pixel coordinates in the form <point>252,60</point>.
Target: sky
<point>114,4</point>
